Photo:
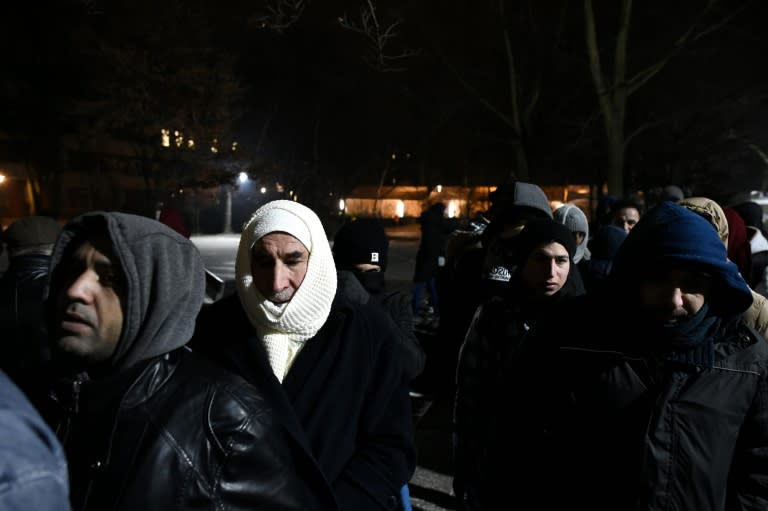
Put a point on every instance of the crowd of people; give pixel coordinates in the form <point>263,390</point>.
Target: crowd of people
<point>612,359</point>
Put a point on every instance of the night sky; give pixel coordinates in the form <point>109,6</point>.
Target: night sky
<point>308,102</point>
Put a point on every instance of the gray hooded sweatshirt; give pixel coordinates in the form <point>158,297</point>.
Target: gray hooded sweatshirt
<point>165,282</point>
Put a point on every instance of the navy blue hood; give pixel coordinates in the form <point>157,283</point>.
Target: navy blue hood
<point>671,235</point>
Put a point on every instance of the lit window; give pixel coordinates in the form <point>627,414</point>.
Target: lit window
<point>400,209</point>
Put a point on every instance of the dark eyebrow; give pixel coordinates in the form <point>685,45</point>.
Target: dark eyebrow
<point>295,254</point>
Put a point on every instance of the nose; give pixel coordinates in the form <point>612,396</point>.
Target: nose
<point>674,298</point>
<point>279,277</point>
<point>552,268</point>
<point>81,288</point>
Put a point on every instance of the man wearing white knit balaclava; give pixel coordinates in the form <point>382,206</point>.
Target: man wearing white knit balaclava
<point>333,363</point>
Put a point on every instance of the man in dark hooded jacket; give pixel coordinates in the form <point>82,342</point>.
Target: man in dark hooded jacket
<point>146,423</point>
<point>662,403</point>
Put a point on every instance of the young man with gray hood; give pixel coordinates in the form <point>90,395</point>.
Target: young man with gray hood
<point>146,423</point>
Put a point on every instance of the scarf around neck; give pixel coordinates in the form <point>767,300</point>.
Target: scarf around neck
<point>284,328</point>
<point>691,341</point>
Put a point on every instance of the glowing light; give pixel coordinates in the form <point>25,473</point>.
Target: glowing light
<point>263,189</point>
<point>400,209</point>
<point>166,137</point>
<point>242,177</point>
<point>453,209</point>
<point>234,146</point>
<point>341,205</point>
<point>394,156</point>
<point>191,143</point>
<point>439,188</point>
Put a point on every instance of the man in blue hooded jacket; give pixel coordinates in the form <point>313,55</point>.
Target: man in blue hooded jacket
<point>663,404</point>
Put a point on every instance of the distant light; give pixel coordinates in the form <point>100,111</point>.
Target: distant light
<point>400,209</point>
<point>191,143</point>
<point>394,156</point>
<point>242,177</point>
<point>263,189</point>
<point>165,137</point>
<point>439,188</point>
<point>2,178</point>
<point>342,205</point>
<point>234,146</point>
<point>453,209</point>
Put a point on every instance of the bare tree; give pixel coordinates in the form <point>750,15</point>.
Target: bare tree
<point>385,52</point>
<point>614,89</point>
<point>278,15</point>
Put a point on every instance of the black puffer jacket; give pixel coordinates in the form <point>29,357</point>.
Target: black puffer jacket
<point>184,435</point>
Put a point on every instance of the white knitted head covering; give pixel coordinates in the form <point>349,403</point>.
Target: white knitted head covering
<point>283,328</point>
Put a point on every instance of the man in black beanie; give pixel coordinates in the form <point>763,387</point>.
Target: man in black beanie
<point>541,262</point>
<point>360,250</point>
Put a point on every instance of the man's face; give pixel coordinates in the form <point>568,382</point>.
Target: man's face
<point>279,265</point>
<point>673,295</point>
<point>626,218</point>
<point>546,269</point>
<point>89,313</point>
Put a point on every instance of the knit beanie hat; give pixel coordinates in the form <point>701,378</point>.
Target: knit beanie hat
<point>362,241</point>
<point>671,235</point>
<point>31,235</point>
<point>283,328</point>
<point>540,231</point>
<point>575,220</point>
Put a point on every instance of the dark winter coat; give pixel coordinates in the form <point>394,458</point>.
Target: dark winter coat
<point>347,388</point>
<point>397,304</point>
<point>435,229</point>
<point>24,349</point>
<point>633,430</point>
<point>183,434</point>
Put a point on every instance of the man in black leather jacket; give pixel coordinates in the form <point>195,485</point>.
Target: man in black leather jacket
<point>146,423</point>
